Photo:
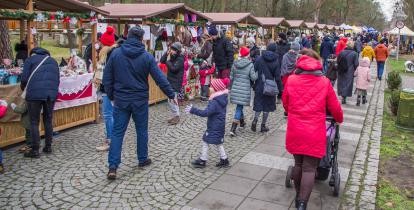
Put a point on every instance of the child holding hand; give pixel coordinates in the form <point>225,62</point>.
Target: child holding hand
<point>205,73</point>
<point>363,75</point>
<point>216,122</point>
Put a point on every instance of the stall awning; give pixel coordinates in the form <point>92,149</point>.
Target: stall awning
<point>270,21</point>
<point>404,31</point>
<point>232,18</point>
<point>310,25</point>
<point>144,11</point>
<point>52,5</point>
<point>321,26</point>
<point>296,23</point>
<point>330,27</point>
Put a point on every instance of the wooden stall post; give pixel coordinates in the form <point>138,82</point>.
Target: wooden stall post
<point>22,30</point>
<point>93,42</point>
<point>177,28</point>
<point>273,33</point>
<point>30,42</point>
<point>79,36</point>
<point>257,36</point>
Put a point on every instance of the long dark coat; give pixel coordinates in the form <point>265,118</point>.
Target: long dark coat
<point>346,79</point>
<point>267,64</point>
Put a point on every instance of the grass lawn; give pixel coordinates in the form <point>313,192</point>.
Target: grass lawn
<point>396,170</point>
<point>397,66</point>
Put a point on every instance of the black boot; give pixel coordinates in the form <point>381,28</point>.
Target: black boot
<point>364,99</point>
<point>47,149</point>
<point>358,101</point>
<point>254,125</point>
<point>32,154</point>
<point>199,163</point>
<point>242,123</point>
<point>264,129</point>
<point>343,100</point>
<point>302,205</point>
<point>233,129</point>
<point>297,200</point>
<point>223,163</point>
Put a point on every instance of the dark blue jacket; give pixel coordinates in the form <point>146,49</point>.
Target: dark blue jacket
<point>44,83</point>
<point>327,48</point>
<point>216,119</point>
<point>126,73</point>
<point>306,43</point>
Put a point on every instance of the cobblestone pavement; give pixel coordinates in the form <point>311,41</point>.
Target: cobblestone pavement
<point>74,176</point>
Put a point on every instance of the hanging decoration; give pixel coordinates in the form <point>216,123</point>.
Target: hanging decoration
<point>247,27</point>
<point>40,17</point>
<point>180,22</point>
<point>59,15</point>
<point>66,19</point>
<point>73,20</point>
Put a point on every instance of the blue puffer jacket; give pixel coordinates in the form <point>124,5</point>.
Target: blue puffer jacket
<point>327,48</point>
<point>44,83</point>
<point>126,73</point>
<point>216,118</point>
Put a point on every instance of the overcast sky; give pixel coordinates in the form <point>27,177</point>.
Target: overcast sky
<point>387,7</point>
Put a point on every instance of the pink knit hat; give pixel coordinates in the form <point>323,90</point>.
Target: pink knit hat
<point>220,84</point>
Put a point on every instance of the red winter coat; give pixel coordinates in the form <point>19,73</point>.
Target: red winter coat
<point>341,45</point>
<point>205,74</point>
<point>306,98</point>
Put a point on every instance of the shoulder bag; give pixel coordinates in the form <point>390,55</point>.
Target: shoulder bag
<point>28,81</point>
<point>269,85</point>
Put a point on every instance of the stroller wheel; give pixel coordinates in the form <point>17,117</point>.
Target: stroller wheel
<point>288,181</point>
<point>337,185</point>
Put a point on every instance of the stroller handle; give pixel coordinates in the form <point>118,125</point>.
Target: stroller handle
<point>330,118</point>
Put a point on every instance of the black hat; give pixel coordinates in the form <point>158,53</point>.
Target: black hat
<point>282,36</point>
<point>136,32</point>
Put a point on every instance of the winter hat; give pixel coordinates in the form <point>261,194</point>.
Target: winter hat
<point>176,46</point>
<point>271,47</point>
<point>212,31</point>
<point>136,32</point>
<point>3,108</point>
<point>295,46</point>
<point>350,44</point>
<point>108,38</point>
<point>220,84</point>
<point>244,51</point>
<point>282,36</point>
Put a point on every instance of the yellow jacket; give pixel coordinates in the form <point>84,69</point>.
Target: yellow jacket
<point>368,52</point>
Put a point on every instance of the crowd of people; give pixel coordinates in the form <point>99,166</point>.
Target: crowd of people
<point>298,70</point>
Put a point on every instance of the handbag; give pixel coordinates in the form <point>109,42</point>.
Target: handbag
<point>28,81</point>
<point>269,86</point>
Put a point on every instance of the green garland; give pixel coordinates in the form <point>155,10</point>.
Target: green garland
<point>175,22</point>
<point>22,14</point>
<point>248,27</point>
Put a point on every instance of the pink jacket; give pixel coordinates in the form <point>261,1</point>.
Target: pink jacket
<point>363,74</point>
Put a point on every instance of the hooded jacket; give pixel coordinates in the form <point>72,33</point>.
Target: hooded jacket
<point>126,75</point>
<point>223,53</point>
<point>306,99</point>
<point>241,74</point>
<point>44,83</point>
<point>288,63</point>
<point>363,74</point>
<point>175,70</point>
<point>341,45</point>
<point>381,53</point>
<point>327,48</point>
<point>216,117</point>
<point>368,52</point>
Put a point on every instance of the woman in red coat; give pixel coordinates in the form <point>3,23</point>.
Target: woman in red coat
<point>341,45</point>
<point>307,97</point>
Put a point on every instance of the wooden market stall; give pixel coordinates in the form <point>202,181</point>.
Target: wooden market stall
<point>331,28</point>
<point>177,15</point>
<point>67,114</point>
<point>272,24</point>
<point>243,21</point>
<point>322,27</point>
<point>296,25</point>
<point>311,26</point>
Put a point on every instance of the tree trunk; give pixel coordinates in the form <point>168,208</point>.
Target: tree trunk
<point>318,7</point>
<point>212,5</point>
<point>274,7</point>
<point>247,6</point>
<point>223,5</point>
<point>5,45</point>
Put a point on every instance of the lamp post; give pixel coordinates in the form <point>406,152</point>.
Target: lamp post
<point>399,17</point>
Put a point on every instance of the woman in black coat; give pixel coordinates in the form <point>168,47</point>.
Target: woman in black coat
<point>267,65</point>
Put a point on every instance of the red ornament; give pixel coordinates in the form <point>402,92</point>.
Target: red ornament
<point>188,89</point>
<point>66,19</point>
<point>196,87</point>
<point>52,17</point>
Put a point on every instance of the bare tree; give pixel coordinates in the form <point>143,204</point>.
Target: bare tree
<point>5,45</point>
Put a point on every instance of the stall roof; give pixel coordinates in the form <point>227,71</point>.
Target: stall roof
<point>51,5</point>
<point>272,21</point>
<point>310,25</point>
<point>296,23</point>
<point>147,10</point>
<point>232,18</point>
<point>330,27</point>
<point>321,26</point>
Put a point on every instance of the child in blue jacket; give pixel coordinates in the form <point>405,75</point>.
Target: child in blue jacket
<point>216,122</point>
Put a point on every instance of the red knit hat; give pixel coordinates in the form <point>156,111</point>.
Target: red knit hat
<point>244,51</point>
<point>108,38</point>
<point>220,84</point>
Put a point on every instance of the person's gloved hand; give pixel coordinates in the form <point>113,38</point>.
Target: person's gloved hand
<point>13,106</point>
<point>188,108</point>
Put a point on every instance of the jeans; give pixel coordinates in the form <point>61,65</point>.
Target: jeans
<point>239,112</point>
<point>1,156</point>
<point>325,65</point>
<point>107,112</point>
<point>303,175</point>
<point>121,120</point>
<point>35,107</point>
<point>380,69</point>
<point>174,108</point>
<point>28,138</point>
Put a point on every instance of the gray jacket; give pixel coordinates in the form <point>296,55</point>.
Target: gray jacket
<point>242,73</point>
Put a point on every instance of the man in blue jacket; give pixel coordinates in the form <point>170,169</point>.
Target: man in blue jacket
<point>327,48</point>
<point>126,83</point>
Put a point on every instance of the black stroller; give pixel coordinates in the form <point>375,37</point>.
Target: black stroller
<point>329,163</point>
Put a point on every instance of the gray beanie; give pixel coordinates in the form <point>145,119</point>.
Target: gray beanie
<point>176,46</point>
<point>136,32</point>
<point>295,46</point>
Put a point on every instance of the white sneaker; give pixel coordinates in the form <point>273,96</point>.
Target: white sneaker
<point>103,148</point>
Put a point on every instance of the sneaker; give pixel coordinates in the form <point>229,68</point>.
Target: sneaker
<point>103,148</point>
<point>111,174</point>
<point>32,154</point>
<point>1,168</point>
<point>223,163</point>
<point>47,149</point>
<point>175,120</point>
<point>199,163</point>
<point>147,162</point>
